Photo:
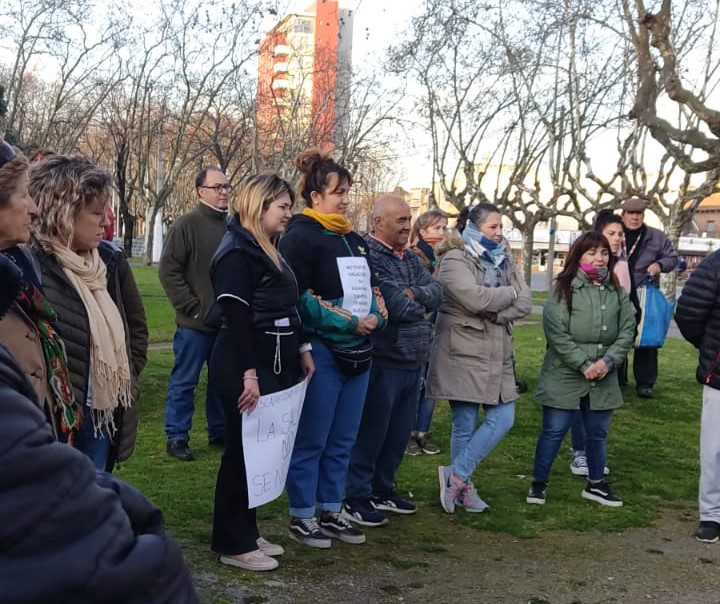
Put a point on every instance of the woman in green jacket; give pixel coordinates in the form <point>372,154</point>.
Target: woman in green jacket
<point>589,324</point>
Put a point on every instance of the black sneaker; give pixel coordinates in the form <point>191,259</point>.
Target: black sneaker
<point>393,503</point>
<point>307,531</point>
<point>361,511</point>
<point>179,449</point>
<point>708,531</point>
<point>536,494</point>
<point>600,492</point>
<point>334,525</point>
<point>644,391</point>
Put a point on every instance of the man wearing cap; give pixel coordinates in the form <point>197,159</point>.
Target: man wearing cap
<point>649,253</point>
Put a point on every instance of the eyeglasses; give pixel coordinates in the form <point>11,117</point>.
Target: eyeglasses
<point>218,188</point>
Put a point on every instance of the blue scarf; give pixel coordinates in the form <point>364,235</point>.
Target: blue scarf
<point>493,252</point>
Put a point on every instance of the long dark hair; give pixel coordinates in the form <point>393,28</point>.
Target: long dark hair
<point>586,241</point>
<point>604,218</point>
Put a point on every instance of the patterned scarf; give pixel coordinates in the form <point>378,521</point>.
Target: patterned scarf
<point>482,246</point>
<point>65,408</point>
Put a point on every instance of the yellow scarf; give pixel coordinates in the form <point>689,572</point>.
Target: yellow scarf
<point>337,223</point>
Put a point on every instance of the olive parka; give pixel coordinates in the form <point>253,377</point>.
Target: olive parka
<point>601,324</point>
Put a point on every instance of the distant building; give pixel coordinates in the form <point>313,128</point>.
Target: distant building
<point>304,74</point>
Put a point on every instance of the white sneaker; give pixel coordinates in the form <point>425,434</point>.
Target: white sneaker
<point>256,560</point>
<point>270,549</point>
<point>579,467</point>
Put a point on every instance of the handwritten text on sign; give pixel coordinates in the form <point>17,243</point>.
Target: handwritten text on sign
<point>268,440</point>
<point>355,279</point>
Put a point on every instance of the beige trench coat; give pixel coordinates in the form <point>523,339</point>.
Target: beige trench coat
<point>471,358</point>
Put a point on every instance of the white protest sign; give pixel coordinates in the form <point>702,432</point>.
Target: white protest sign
<point>355,279</point>
<point>268,440</point>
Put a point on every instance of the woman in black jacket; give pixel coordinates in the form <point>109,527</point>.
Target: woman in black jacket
<point>260,349</point>
<point>76,535</point>
<point>100,313</point>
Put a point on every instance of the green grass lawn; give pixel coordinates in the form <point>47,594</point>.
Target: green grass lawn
<point>653,457</point>
<point>539,298</point>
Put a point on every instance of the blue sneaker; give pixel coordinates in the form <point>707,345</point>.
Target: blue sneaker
<point>362,511</point>
<point>393,503</point>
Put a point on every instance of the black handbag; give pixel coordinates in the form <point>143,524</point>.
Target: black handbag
<point>353,361</point>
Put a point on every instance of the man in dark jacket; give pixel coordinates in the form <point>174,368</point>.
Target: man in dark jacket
<point>73,535</point>
<point>185,276</point>
<point>400,352</point>
<point>649,253</point>
<point>698,317</point>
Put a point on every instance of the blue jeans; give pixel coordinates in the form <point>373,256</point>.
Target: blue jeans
<point>426,408</point>
<point>578,435</point>
<point>390,409</point>
<point>97,448</point>
<point>470,444</point>
<point>192,349</point>
<point>555,425</point>
<point>326,433</point>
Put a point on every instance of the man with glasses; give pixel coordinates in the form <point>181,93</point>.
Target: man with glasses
<point>185,276</point>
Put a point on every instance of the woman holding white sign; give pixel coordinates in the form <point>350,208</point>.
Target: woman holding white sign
<point>260,348</point>
<point>339,308</point>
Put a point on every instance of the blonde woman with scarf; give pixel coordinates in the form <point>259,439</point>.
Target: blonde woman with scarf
<point>101,317</point>
<point>471,361</point>
<point>340,308</point>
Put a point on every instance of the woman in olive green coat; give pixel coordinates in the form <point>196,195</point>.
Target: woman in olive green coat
<point>589,324</point>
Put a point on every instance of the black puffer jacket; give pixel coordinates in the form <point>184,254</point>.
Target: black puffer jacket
<point>71,535</point>
<point>698,317</point>
<point>74,329</point>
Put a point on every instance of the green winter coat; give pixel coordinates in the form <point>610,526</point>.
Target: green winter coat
<point>602,323</point>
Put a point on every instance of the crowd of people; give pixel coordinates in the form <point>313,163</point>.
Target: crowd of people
<point>382,326</point>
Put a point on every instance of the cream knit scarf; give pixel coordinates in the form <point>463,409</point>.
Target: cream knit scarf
<point>109,366</point>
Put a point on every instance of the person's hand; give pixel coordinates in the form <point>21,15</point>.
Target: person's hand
<point>307,365</point>
<point>409,292</point>
<point>654,269</point>
<point>601,369</point>
<point>591,372</point>
<point>250,394</point>
<point>366,325</point>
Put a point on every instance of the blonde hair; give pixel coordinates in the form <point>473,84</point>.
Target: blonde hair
<point>62,186</point>
<point>425,220</point>
<point>10,174</point>
<point>253,198</point>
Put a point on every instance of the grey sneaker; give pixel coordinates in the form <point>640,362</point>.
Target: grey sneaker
<point>450,488</point>
<point>413,449</point>
<point>470,501</point>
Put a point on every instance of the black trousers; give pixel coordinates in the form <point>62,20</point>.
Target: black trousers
<point>235,529</point>
<point>645,366</point>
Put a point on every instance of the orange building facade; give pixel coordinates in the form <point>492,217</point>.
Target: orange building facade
<point>302,59</point>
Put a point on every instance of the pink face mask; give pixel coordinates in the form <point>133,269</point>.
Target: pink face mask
<point>594,273</point>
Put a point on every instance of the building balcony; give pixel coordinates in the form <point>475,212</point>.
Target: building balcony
<point>281,84</point>
<point>281,50</point>
<point>281,67</point>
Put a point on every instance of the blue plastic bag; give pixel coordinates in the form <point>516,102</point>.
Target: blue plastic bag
<point>655,315</point>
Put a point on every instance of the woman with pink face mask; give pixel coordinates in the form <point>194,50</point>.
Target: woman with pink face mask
<point>609,225</point>
<point>589,324</point>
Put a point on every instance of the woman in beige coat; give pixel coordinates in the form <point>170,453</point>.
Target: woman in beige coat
<point>471,362</point>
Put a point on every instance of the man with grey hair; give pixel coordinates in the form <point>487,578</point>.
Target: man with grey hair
<point>649,253</point>
<point>400,353</point>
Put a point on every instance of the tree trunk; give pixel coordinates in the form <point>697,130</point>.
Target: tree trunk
<point>551,253</point>
<point>528,245</point>
<point>150,234</point>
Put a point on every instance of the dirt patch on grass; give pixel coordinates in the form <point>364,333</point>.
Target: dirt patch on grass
<point>453,563</point>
